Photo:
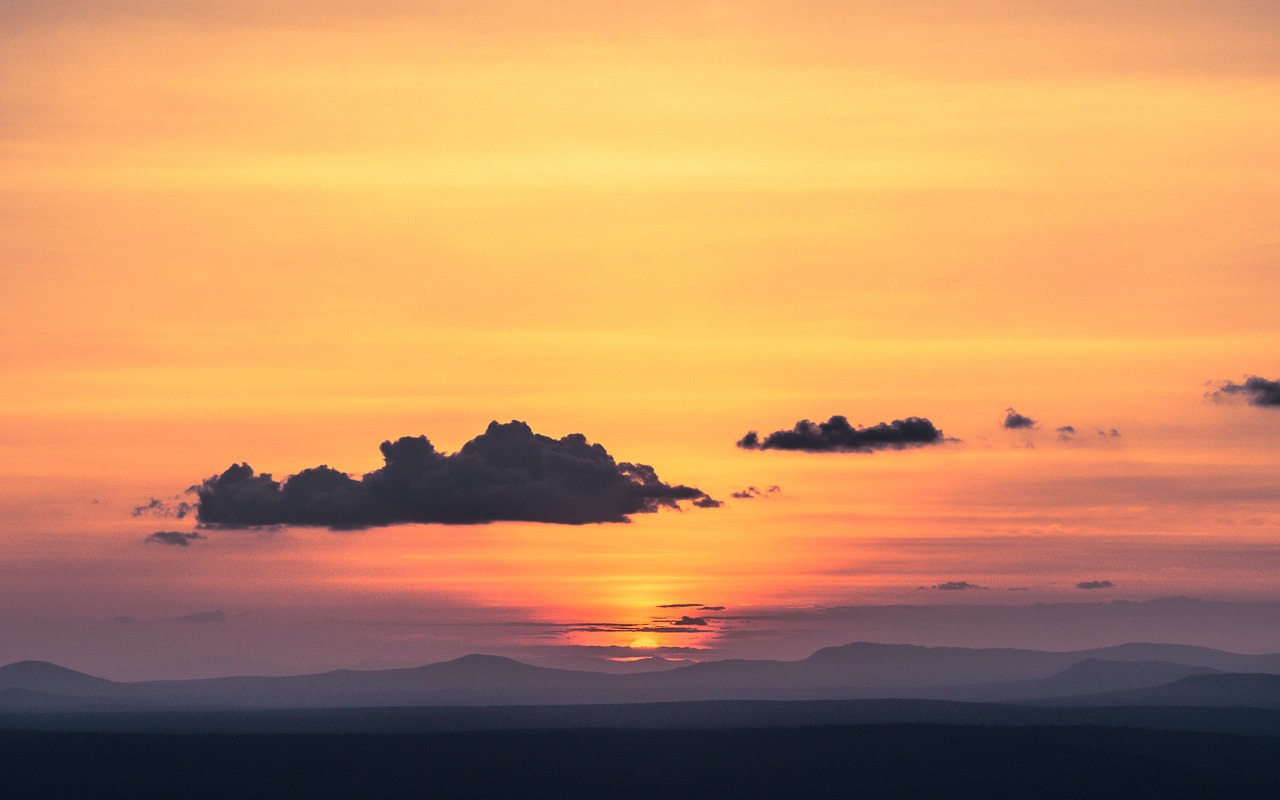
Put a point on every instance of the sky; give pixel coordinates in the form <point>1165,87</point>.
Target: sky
<point>281,236</point>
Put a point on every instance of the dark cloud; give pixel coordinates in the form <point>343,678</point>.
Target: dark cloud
<point>680,605</point>
<point>622,628</point>
<point>686,620</point>
<point>122,619</point>
<point>836,435</point>
<point>174,538</point>
<point>203,616</point>
<point>1094,585</point>
<point>711,608</point>
<point>507,473</point>
<point>1258,391</point>
<point>163,508</point>
<point>1066,433</point>
<point>1014,421</point>
<point>957,586</point>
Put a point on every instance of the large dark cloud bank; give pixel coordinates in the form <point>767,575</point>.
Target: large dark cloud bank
<point>836,435</point>
<point>507,473</point>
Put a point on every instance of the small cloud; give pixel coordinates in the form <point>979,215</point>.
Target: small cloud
<point>1258,391</point>
<point>752,492</point>
<point>174,538</point>
<point>163,508</point>
<point>1066,433</point>
<point>690,621</point>
<point>203,616</point>
<point>957,586</point>
<point>707,502</point>
<point>1094,585</point>
<point>1015,421</point>
<point>836,435</point>
<point>711,608</point>
<point>681,605</point>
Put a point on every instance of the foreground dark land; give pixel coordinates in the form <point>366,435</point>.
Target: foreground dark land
<point>907,760</point>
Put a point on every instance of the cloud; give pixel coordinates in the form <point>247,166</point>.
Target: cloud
<point>162,508</point>
<point>686,620</point>
<point>836,435</point>
<point>174,538</point>
<point>956,586</point>
<point>680,605</point>
<point>203,616</point>
<point>1258,391</point>
<point>507,473</point>
<point>1066,433</point>
<point>751,492</point>
<point>1014,421</point>
<point>1094,585</point>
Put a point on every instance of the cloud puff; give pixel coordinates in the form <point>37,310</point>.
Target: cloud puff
<point>162,508</point>
<point>1014,421</point>
<point>507,473</point>
<point>751,492</point>
<point>836,435</point>
<point>956,586</point>
<point>687,620</point>
<point>1094,585</point>
<point>1258,391</point>
<point>1066,433</point>
<point>174,538</point>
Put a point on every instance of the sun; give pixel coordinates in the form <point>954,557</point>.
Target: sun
<point>644,643</point>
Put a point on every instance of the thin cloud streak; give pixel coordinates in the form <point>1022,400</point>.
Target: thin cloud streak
<point>836,435</point>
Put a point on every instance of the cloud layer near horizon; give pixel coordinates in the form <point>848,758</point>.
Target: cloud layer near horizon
<point>507,473</point>
<point>836,435</point>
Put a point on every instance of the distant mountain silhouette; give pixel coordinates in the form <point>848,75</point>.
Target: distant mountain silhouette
<point>855,671</point>
<point>1243,690</point>
<point>42,676</point>
<point>1090,676</point>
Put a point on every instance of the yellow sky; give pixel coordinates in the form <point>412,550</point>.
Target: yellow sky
<point>281,236</point>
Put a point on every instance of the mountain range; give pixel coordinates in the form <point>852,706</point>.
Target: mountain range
<point>1139,674</point>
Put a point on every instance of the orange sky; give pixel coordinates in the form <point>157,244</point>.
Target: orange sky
<point>284,235</point>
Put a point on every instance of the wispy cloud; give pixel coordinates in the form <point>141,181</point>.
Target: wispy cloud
<point>177,538</point>
<point>1095,585</point>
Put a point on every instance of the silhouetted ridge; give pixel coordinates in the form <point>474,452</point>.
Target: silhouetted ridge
<point>42,676</point>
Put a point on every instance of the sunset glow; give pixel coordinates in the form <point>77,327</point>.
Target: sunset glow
<point>282,235</point>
